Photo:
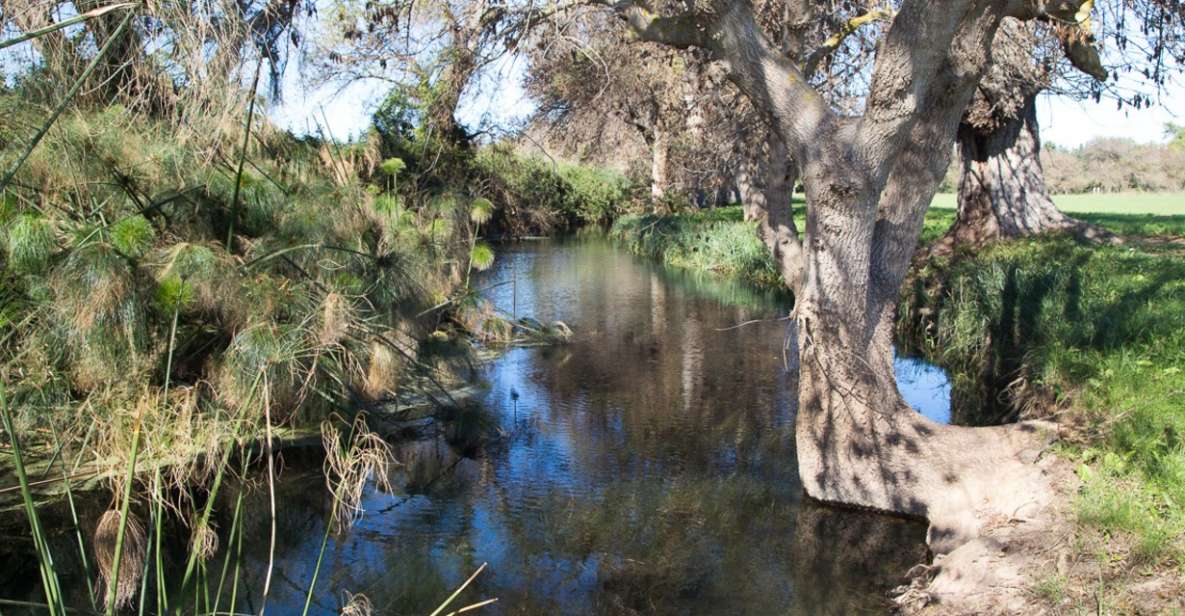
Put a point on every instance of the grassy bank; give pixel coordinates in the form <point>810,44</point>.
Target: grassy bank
<point>177,298</point>
<point>148,281</point>
<point>1092,336</point>
<point>717,240</point>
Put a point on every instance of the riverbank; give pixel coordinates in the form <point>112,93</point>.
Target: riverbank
<point>176,283</point>
<point>182,299</point>
<point>1090,337</point>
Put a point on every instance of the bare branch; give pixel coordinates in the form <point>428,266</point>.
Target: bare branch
<point>847,28</point>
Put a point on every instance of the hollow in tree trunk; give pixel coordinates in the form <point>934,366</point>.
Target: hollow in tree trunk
<point>1002,192</point>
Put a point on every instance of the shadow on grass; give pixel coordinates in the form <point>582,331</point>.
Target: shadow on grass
<point>1137,224</point>
<point>1018,324</point>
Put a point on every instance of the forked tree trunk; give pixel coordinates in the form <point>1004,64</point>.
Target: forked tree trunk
<point>858,442</point>
<point>1002,192</point>
<point>868,186</point>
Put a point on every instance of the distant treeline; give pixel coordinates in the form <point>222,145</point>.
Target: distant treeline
<point>1114,165</point>
<point>1106,165</point>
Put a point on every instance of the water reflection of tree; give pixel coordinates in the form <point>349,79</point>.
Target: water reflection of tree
<point>650,471</point>
<point>642,378</point>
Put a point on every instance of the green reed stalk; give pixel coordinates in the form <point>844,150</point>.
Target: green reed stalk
<point>234,202</point>
<point>234,530</point>
<point>113,583</point>
<point>458,591</point>
<point>172,343</point>
<point>148,556</point>
<point>49,576</point>
<point>193,552</point>
<point>86,569</point>
<point>162,593</point>
<point>70,94</point>
<point>271,493</point>
<point>308,599</point>
<point>234,586</point>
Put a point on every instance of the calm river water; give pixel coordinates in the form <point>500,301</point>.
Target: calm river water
<point>646,467</point>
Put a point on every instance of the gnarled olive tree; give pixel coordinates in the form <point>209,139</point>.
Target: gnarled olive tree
<point>869,179</point>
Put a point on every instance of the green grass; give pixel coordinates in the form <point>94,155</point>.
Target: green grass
<point>716,241</point>
<point>1140,214</point>
<point>1094,334</point>
<point>1157,204</point>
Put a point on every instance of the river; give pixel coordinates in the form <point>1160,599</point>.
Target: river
<point>647,466</point>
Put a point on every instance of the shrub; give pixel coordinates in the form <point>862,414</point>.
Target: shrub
<point>538,196</point>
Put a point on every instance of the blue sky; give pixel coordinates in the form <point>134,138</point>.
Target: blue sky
<point>501,99</point>
<point>1071,123</point>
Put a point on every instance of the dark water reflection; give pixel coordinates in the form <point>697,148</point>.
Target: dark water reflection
<point>648,468</point>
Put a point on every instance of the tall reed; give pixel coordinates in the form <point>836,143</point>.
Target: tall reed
<point>49,576</point>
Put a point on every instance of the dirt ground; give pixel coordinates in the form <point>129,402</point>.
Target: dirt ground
<point>1041,564</point>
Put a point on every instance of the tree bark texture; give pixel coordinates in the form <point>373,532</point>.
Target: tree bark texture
<point>1002,192</point>
<point>766,181</point>
<point>660,148</point>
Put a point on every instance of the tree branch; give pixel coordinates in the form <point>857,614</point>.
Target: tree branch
<point>846,29</point>
<point>682,31</point>
<point>1072,21</point>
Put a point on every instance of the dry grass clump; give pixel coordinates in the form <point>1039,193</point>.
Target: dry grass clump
<point>131,564</point>
<point>99,308</point>
<point>382,371</point>
<point>356,605</point>
<point>201,277</point>
<point>482,320</point>
<point>350,462</point>
<point>263,366</point>
<point>205,540</point>
<point>336,315</point>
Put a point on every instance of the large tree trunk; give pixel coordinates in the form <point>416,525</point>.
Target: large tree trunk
<point>1002,191</point>
<point>858,441</point>
<point>442,113</point>
<point>868,185</point>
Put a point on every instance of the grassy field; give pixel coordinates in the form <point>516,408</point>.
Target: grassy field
<point>1128,214</point>
<point>719,240</point>
<point>1156,204</point>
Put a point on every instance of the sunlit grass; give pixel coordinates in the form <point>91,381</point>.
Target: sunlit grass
<point>1158,204</point>
<point>1095,336</point>
<point>1135,213</point>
